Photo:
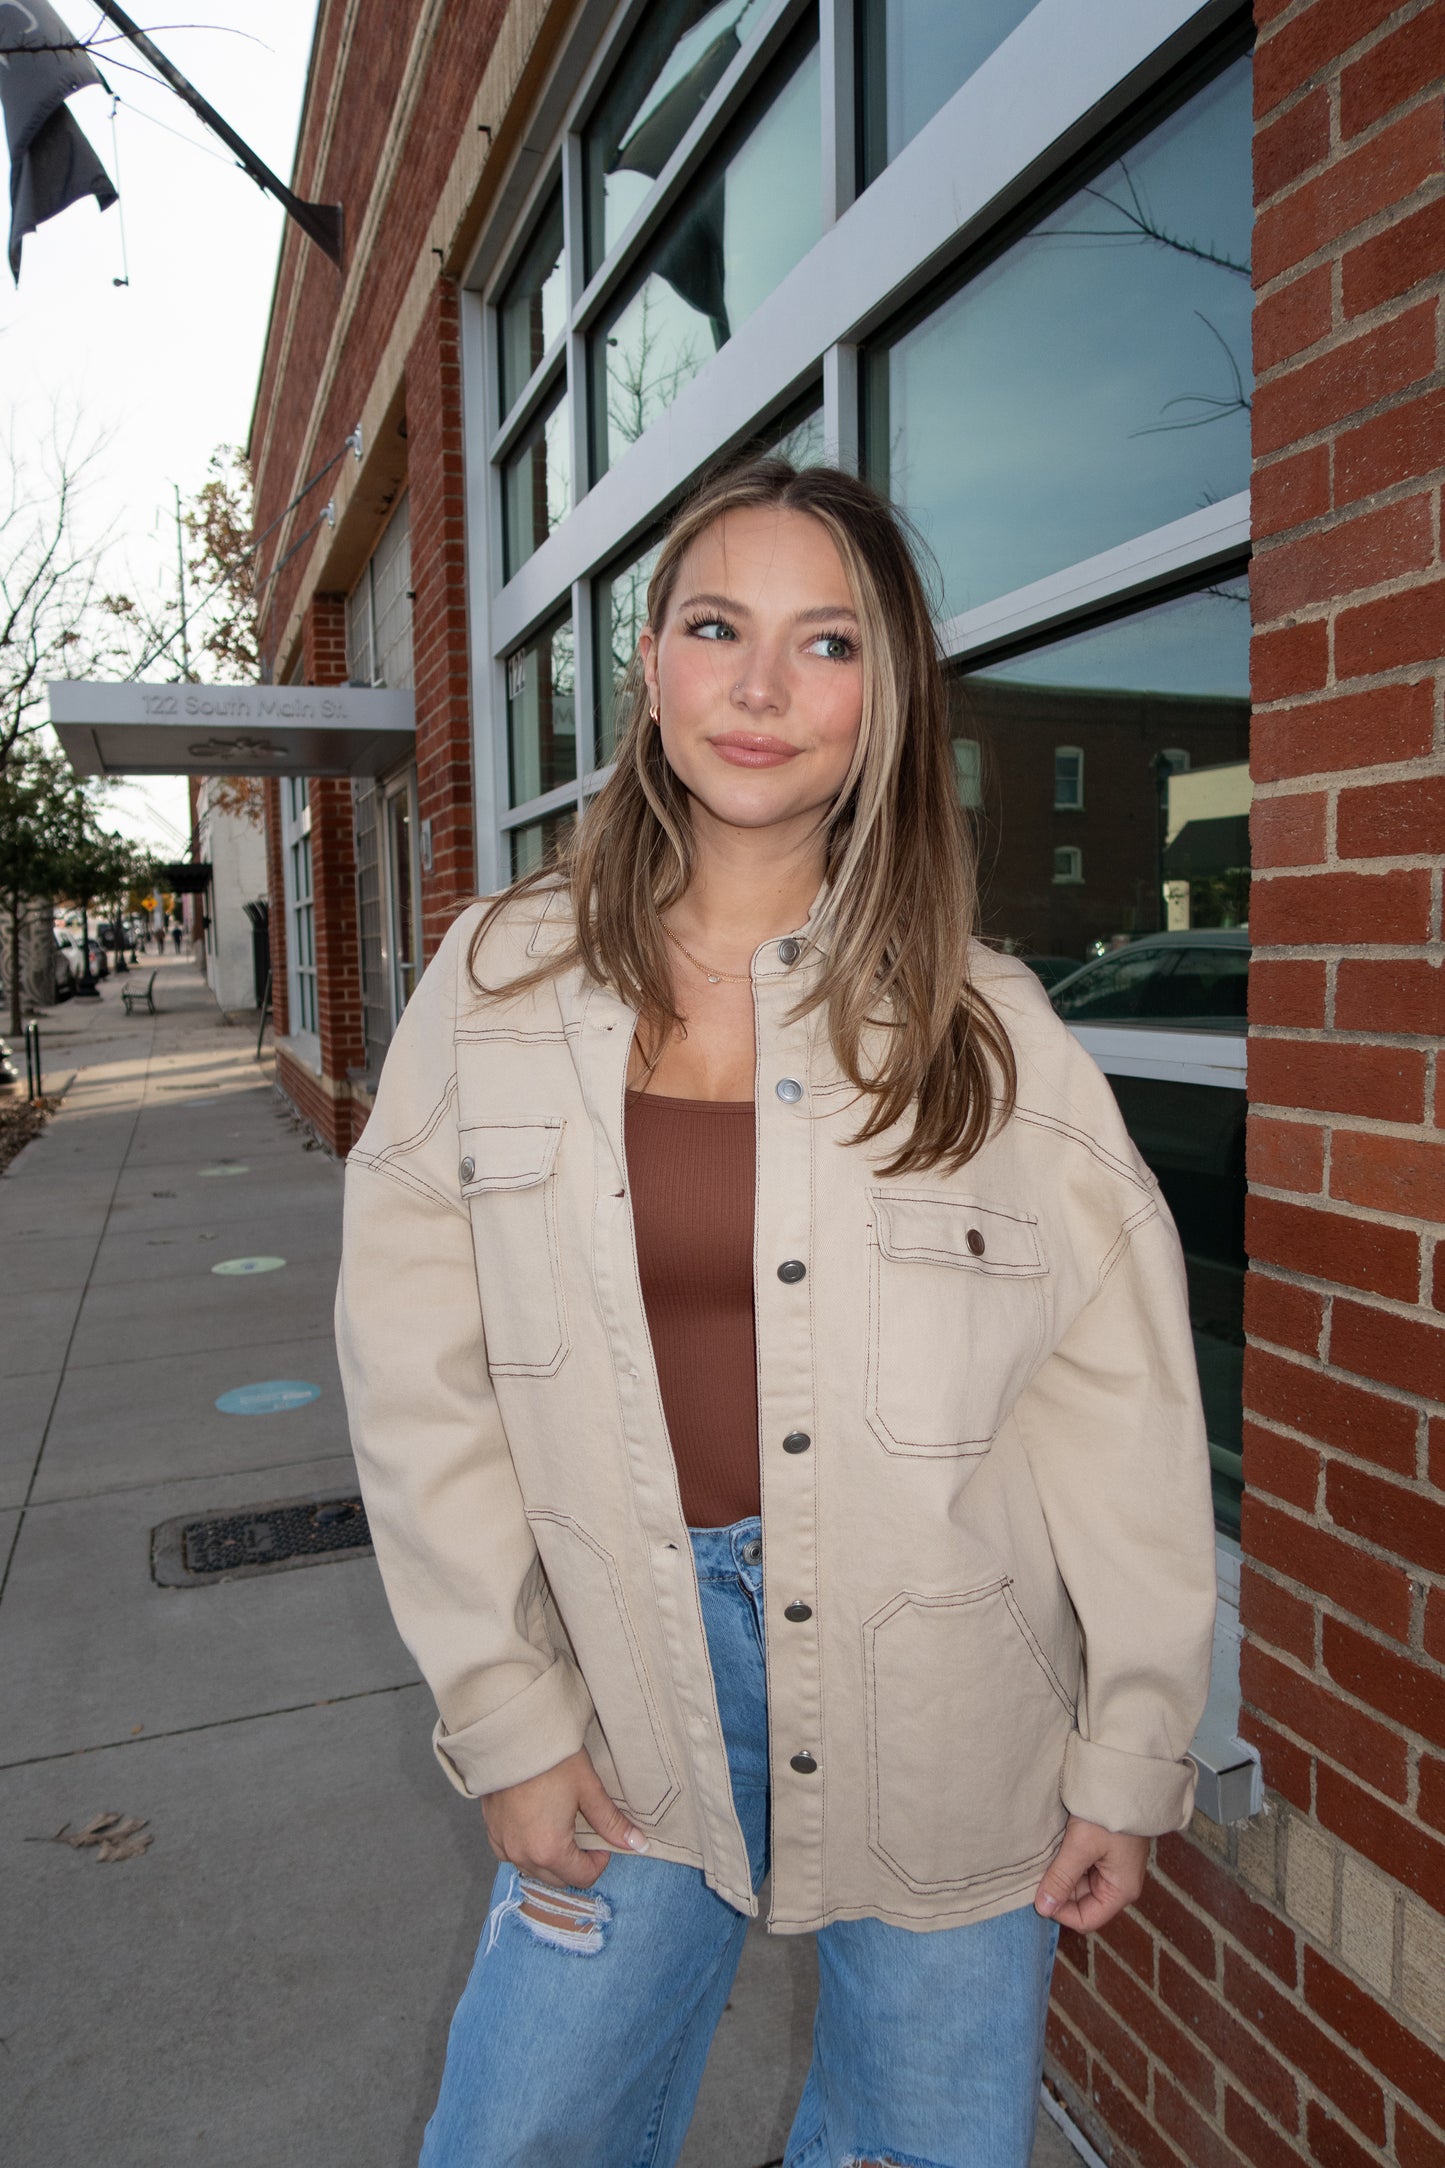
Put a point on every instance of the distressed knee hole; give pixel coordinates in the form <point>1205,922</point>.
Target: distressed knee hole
<point>567,1919</point>
<point>885,2160</point>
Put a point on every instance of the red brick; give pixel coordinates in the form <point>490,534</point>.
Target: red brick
<point>1165,2041</point>
<point>1396,1843</point>
<point>1436,1440</point>
<point>1398,67</point>
<point>1331,1409</point>
<point>1278,1311</point>
<point>1218,1893</point>
<point>1434,1637</point>
<point>1270,1614</point>
<point>1277,1467</point>
<point>1416,2147</point>
<point>1389,1174</point>
<point>1407,1692</point>
<point>1285,150</point>
<point>1407,1522</point>
<point>1103,2031</point>
<point>1287,990</point>
<point>1337,908</point>
<point>1287,830</point>
<point>1415,2069</point>
<point>1198,2139</point>
<point>1355,186</point>
<point>1405,255</point>
<point>1431,1803</point>
<point>1182,1928</point>
<point>1322,1720</point>
<point>1393,820</point>
<point>1288,1767</point>
<point>1331,2144</point>
<point>1328,2066</point>
<point>1406,441</point>
<point>1285,1155</point>
<point>1258,2140</point>
<point>1291,318</point>
<point>1352,375</point>
<point>1395,1350</point>
<point>1315,39</point>
<point>1318,1559</point>
<point>1294,659</point>
<point>1131,1943</point>
<point>1260,2069</point>
<point>1334,1246</point>
<point>1067,2050</point>
<point>1349,730</point>
<point>1364,549</point>
<point>1287,492</point>
<point>1384,1082</point>
<point>1391,632</point>
<point>1395,993</point>
<point>1129,2125</point>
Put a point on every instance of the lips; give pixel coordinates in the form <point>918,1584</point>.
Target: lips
<point>753,749</point>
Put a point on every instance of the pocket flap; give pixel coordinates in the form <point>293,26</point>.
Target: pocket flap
<point>507,1155</point>
<point>957,1231</point>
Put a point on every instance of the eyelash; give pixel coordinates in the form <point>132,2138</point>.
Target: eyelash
<point>696,624</point>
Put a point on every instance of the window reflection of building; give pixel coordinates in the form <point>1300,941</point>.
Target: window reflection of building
<point>379,652</point>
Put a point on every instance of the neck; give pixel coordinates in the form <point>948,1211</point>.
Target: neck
<point>749,886</point>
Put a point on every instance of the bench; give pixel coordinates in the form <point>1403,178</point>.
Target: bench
<point>133,996</point>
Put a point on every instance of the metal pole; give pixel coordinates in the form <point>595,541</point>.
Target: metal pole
<point>29,1067</point>
<point>33,1080</point>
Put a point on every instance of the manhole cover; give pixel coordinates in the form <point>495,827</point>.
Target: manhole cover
<point>266,1538</point>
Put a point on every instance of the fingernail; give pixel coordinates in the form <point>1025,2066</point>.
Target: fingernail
<point>637,1842</point>
<point>1048,1904</point>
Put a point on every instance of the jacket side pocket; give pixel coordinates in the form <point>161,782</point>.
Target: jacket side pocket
<point>509,1185</point>
<point>967,1727</point>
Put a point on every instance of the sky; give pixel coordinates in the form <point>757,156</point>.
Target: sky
<point>164,368</point>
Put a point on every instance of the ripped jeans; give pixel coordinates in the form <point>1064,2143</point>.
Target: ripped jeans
<point>580,2039</point>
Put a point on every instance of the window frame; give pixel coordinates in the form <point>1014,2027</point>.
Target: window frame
<point>302,1013</point>
<point>1076,803</point>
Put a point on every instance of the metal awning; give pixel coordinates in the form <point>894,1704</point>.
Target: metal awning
<point>231,729</point>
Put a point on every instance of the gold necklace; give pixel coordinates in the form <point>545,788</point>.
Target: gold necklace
<point>736,978</point>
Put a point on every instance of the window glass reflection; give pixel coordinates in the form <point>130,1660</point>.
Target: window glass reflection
<point>1094,381</point>
<point>542,715</point>
<point>533,307</point>
<point>680,52</point>
<point>741,230</point>
<point>539,841</point>
<point>915,54</point>
<point>621,606</point>
<point>537,487</point>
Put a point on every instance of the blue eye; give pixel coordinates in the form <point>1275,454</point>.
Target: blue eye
<point>842,647</point>
<point>710,627</point>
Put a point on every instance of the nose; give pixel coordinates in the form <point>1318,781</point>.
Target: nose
<point>761,686</point>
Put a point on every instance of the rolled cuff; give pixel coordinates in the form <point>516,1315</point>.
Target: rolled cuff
<point>1128,1793</point>
<point>533,1731</point>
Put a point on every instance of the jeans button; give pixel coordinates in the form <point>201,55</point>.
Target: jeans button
<point>752,1551</point>
<point>803,1763</point>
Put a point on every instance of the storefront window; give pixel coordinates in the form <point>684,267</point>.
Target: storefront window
<point>542,715</point>
<point>750,217</point>
<point>680,53</point>
<point>533,845</point>
<point>537,487</point>
<point>1093,382</point>
<point>300,903</point>
<point>914,55</point>
<point>533,306</point>
<point>620,601</point>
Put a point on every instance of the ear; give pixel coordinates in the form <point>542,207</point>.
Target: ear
<point>647,649</point>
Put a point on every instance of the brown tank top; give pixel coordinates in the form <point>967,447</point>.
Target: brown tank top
<point>691,1167</point>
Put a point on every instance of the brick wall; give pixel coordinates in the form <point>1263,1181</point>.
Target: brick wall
<point>1279,1995</point>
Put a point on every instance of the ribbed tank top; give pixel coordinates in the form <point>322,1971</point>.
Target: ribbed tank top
<point>691,1168</point>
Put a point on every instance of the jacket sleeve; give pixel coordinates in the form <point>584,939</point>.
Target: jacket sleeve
<point>1114,1430</point>
<point>456,1554</point>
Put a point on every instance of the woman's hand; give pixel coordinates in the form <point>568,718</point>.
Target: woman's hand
<point>532,1826</point>
<point>1095,1873</point>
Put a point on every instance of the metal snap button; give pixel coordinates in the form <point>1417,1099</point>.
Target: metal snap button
<point>975,1241</point>
<point>804,1763</point>
<point>467,1169</point>
<point>791,1090</point>
<point>752,1551</point>
<point>797,1612</point>
<point>797,1441</point>
<point>788,952</point>
<point>793,1269</point>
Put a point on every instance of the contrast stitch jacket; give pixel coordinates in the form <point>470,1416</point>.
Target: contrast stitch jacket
<point>983,1458</point>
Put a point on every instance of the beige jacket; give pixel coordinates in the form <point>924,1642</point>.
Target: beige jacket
<point>983,1455</point>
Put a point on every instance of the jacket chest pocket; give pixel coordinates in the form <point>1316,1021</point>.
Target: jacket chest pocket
<point>955,1319</point>
<point>508,1181</point>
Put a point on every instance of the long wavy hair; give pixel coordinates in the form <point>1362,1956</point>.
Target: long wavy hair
<point>917,1039</point>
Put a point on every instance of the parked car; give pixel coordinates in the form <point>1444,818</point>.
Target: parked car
<point>99,961</point>
<point>1194,981</point>
<point>1051,969</point>
<point>64,967</point>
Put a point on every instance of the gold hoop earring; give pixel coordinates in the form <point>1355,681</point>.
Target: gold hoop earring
<point>653,713</point>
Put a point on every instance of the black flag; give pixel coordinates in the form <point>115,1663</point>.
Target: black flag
<point>51,163</point>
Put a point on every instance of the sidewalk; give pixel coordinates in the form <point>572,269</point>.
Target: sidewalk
<point>272,1980</point>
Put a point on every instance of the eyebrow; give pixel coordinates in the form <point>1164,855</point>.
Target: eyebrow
<point>740,609</point>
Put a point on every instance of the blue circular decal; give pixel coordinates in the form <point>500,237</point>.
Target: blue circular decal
<point>273,1396</point>
<point>241,1266</point>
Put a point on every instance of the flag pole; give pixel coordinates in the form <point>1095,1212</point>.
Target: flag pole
<point>321,222</point>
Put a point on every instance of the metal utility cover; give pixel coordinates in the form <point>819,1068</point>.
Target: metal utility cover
<point>231,729</point>
<point>195,1550</point>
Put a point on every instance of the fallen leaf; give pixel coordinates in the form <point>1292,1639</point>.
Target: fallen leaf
<point>129,1848</point>
<point>93,1831</point>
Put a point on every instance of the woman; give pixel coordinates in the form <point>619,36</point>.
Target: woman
<point>770,1372</point>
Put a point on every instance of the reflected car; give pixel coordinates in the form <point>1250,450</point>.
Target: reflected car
<point>1051,969</point>
<point>1188,981</point>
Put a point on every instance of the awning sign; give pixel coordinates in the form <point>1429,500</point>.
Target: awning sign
<point>231,729</point>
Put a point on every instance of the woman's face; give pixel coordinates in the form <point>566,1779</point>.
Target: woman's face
<point>756,670</point>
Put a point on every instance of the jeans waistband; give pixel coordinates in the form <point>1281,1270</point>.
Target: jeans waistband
<point>737,1549</point>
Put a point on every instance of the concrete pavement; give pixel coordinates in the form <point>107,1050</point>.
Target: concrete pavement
<point>272,1980</point>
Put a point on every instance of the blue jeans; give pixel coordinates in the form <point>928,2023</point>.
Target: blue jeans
<point>581,2044</point>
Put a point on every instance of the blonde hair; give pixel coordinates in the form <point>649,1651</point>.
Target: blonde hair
<point>900,861</point>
